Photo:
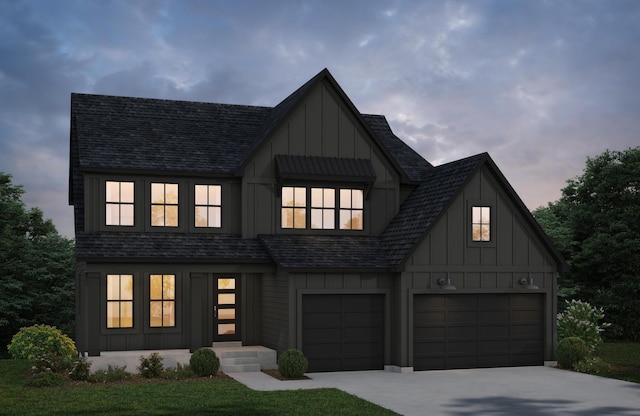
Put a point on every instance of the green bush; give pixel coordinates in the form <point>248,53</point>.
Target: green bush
<point>204,362</point>
<point>111,374</point>
<point>581,320</point>
<point>292,364</point>
<point>46,378</point>
<point>592,365</point>
<point>181,372</point>
<point>571,351</point>
<point>38,340</point>
<point>80,369</point>
<point>151,366</point>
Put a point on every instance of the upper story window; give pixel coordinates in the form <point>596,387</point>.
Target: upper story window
<point>119,301</point>
<point>162,300</point>
<point>294,207</point>
<point>328,207</point>
<point>323,208</point>
<point>480,223</point>
<point>164,204</point>
<point>351,209</point>
<point>208,206</point>
<point>119,203</point>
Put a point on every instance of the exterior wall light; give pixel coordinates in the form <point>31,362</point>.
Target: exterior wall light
<point>528,283</point>
<point>445,284</point>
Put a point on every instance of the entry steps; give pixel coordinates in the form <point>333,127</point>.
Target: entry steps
<point>236,358</point>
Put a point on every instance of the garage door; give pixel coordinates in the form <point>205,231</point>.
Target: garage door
<point>471,331</point>
<point>343,332</point>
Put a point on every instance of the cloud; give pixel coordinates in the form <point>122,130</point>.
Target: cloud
<point>539,85</point>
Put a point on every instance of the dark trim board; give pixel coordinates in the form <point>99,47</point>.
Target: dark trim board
<point>343,332</point>
<point>474,331</point>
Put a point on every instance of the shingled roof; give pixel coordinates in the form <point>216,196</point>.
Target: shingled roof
<point>424,206</point>
<point>127,246</point>
<point>127,134</point>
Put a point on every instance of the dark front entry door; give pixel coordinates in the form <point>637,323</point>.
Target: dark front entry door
<point>226,309</point>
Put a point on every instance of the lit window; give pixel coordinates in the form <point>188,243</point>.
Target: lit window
<point>294,207</point>
<point>162,297</point>
<point>480,223</point>
<point>208,206</point>
<point>323,204</point>
<point>164,204</point>
<point>119,200</point>
<point>119,301</point>
<point>351,209</point>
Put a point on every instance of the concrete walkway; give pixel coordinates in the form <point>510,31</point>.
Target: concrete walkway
<point>518,391</point>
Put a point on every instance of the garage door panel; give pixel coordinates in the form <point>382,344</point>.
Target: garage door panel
<point>322,320</point>
<point>493,347</point>
<point>526,330</point>
<point>462,317</point>
<point>427,332</point>
<point>353,319</point>
<point>493,316</point>
<point>355,326</point>
<point>320,335</point>
<point>462,331</point>
<point>362,334</point>
<point>431,317</point>
<point>482,330</point>
<point>493,331</point>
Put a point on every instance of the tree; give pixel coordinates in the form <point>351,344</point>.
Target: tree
<point>36,268</point>
<point>596,226</point>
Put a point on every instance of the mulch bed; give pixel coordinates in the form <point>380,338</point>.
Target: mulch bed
<point>276,374</point>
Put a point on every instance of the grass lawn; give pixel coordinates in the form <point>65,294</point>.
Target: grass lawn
<point>624,358</point>
<point>190,397</point>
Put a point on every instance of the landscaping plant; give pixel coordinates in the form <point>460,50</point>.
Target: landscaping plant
<point>151,366</point>
<point>39,340</point>
<point>571,351</point>
<point>292,363</point>
<point>582,320</point>
<point>204,362</point>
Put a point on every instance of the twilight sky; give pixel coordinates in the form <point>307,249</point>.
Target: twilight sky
<point>540,85</point>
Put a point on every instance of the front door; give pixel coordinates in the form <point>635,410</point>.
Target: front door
<point>226,309</point>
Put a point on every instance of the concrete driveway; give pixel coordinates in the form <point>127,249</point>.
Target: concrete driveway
<point>518,391</point>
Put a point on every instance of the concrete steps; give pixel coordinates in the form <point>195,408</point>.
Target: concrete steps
<point>244,359</point>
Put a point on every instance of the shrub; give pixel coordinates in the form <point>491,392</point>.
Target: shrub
<point>204,362</point>
<point>51,362</point>
<point>181,372</point>
<point>592,365</point>
<point>571,351</point>
<point>46,378</point>
<point>151,366</point>
<point>37,340</point>
<point>80,369</point>
<point>111,374</point>
<point>292,364</point>
<point>580,319</point>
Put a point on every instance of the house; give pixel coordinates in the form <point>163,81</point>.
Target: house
<point>306,225</point>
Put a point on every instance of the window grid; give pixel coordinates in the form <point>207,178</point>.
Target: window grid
<point>162,300</point>
<point>119,301</point>
<point>119,203</point>
<point>208,206</point>
<point>323,203</point>
<point>164,204</point>
<point>480,223</point>
<point>351,209</point>
<point>294,207</point>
